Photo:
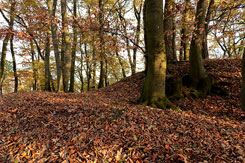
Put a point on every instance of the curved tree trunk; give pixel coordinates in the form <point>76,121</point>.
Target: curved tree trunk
<point>153,93</point>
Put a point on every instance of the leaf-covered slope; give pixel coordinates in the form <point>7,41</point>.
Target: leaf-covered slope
<point>105,125</point>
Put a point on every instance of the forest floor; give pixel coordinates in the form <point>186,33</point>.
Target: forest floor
<point>106,125</point>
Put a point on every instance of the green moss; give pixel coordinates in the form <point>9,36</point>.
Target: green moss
<point>162,103</point>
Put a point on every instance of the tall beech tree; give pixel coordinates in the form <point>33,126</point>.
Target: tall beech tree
<point>199,77</point>
<point>55,40</point>
<point>66,47</point>
<point>153,92</point>
<point>8,36</point>
<point>74,47</point>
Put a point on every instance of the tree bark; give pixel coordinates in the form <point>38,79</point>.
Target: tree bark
<point>14,65</point>
<point>66,47</point>
<point>205,54</point>
<point>153,92</point>
<point>184,33</point>
<point>243,82</point>
<point>102,57</point>
<point>74,47</point>
<point>55,40</point>
<point>168,31</point>
<point>197,70</point>
<point>34,69</point>
<point>46,64</point>
<point>137,14</point>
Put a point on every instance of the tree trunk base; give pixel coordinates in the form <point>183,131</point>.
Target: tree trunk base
<point>180,87</point>
<point>160,102</point>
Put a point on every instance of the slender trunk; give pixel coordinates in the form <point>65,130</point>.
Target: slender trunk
<point>205,54</point>
<point>14,65</point>
<point>106,73</point>
<point>3,58</point>
<point>87,67</point>
<point>145,36</point>
<point>81,68</point>
<point>34,69</point>
<point>74,47</point>
<point>184,33</point>
<point>94,68</point>
<point>55,40</point>
<point>102,57</point>
<point>46,64</point>
<point>137,14</point>
<point>243,82</point>
<point>168,31</point>
<point>66,47</point>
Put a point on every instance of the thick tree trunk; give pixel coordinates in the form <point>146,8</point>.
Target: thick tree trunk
<point>74,47</point>
<point>197,71</point>
<point>154,86</point>
<point>66,47</point>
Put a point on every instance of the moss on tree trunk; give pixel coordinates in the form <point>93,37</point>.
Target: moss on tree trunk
<point>153,92</point>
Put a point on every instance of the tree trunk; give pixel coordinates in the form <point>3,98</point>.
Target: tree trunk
<point>197,70</point>
<point>205,54</point>
<point>55,40</point>
<point>46,64</point>
<point>74,47</point>
<point>137,14</point>
<point>66,47</point>
<point>153,93</point>
<point>102,57</point>
<point>14,65</point>
<point>184,33</point>
<point>34,69</point>
<point>243,82</point>
<point>168,31</point>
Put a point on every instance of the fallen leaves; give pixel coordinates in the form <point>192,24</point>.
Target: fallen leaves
<point>106,126</point>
